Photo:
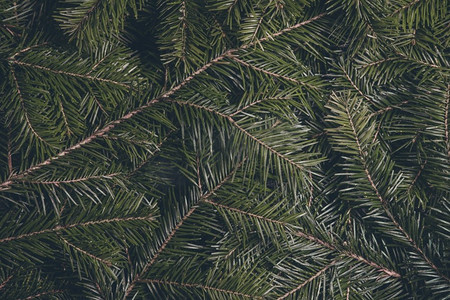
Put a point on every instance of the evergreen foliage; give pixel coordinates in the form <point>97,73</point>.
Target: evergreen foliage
<point>224,149</point>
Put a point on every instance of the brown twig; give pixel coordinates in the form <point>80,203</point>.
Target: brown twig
<point>22,104</point>
<point>176,228</point>
<point>320,272</point>
<point>199,286</point>
<point>101,132</point>
<point>106,262</point>
<point>383,202</point>
<point>84,76</point>
<point>69,226</point>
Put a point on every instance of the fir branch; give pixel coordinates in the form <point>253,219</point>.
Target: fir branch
<point>9,150</point>
<point>103,261</point>
<point>268,147</point>
<point>137,277</point>
<point>66,123</point>
<point>26,50</point>
<point>83,76</point>
<point>3,284</point>
<point>422,166</point>
<point>261,18</point>
<point>79,26</point>
<point>309,237</point>
<point>406,6</point>
<point>271,73</point>
<point>387,271</point>
<point>183,12</point>
<point>199,286</point>
<point>99,104</point>
<point>69,226</point>
<point>101,132</point>
<point>76,180</point>
<point>38,295</point>
<point>383,202</point>
<point>355,86</point>
<point>293,27</point>
<point>197,167</point>
<point>311,190</point>
<point>378,62</point>
<point>95,66</point>
<point>229,208</point>
<point>162,247</point>
<point>406,57</point>
<point>25,112</point>
<point>157,149</point>
<point>388,108</point>
<point>447,104</point>
<point>255,103</point>
<point>320,272</point>
<point>232,5</point>
<point>236,125</point>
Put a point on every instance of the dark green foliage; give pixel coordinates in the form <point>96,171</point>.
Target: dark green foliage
<point>224,149</point>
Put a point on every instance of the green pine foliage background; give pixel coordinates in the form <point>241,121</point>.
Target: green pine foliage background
<point>224,149</point>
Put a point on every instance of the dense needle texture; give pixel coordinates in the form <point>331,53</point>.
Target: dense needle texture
<point>224,149</point>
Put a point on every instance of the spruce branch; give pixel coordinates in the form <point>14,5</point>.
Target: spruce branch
<point>9,149</point>
<point>230,119</point>
<point>71,74</point>
<point>39,295</point>
<point>24,109</point>
<point>13,57</point>
<point>4,282</point>
<point>89,13</point>
<point>320,272</point>
<point>84,252</point>
<point>76,180</point>
<point>242,109</point>
<point>388,108</point>
<point>164,244</point>
<point>446,129</point>
<point>59,228</point>
<point>101,132</point>
<point>307,236</point>
<point>422,166</point>
<point>272,73</point>
<point>404,7</point>
<point>383,202</point>
<point>347,76</point>
<point>198,286</point>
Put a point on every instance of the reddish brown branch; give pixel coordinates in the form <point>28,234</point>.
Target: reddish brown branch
<point>176,228</point>
<point>405,7</point>
<point>69,226</point>
<point>447,138</point>
<point>26,50</point>
<point>43,294</point>
<point>101,132</point>
<point>2,285</point>
<point>256,102</point>
<point>355,86</point>
<point>9,150</point>
<point>271,73</point>
<point>106,262</point>
<point>374,63</point>
<point>58,182</point>
<point>84,76</point>
<point>307,281</point>
<point>422,166</point>
<point>200,286</point>
<point>383,201</point>
<point>22,104</point>
<point>310,238</point>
